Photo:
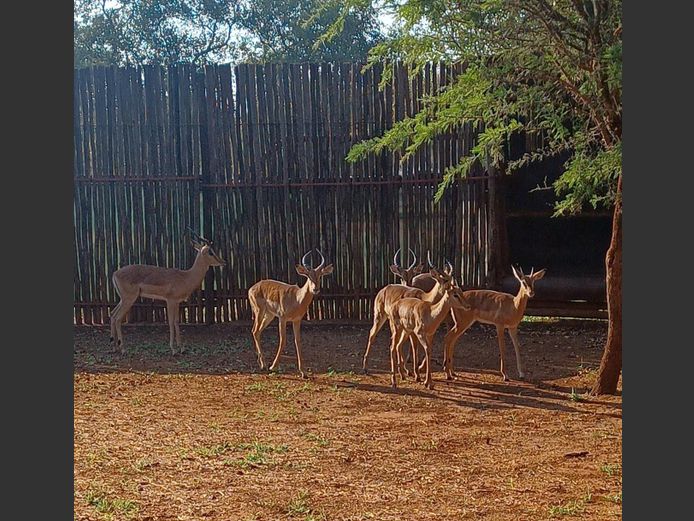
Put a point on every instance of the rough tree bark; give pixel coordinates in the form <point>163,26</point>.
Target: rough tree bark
<point>611,364</point>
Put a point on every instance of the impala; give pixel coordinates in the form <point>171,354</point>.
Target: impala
<point>272,298</point>
<point>503,310</point>
<point>168,284</point>
<point>409,273</point>
<point>390,294</point>
<point>413,317</point>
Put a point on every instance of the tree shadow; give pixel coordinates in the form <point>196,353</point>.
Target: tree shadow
<point>483,395</point>
<point>550,353</point>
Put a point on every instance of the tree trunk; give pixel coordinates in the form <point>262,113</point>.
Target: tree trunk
<point>611,364</point>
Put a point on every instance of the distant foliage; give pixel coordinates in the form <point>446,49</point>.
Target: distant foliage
<point>138,32</point>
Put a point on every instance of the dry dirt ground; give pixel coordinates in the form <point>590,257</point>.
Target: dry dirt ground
<point>206,436</point>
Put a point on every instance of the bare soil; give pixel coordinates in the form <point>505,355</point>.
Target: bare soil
<point>207,436</point>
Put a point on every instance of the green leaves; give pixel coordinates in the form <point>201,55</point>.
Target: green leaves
<point>552,71</point>
<point>589,179</point>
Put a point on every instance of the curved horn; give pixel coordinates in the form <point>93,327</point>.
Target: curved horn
<point>448,266</point>
<point>395,258</point>
<point>431,264</point>
<point>532,270</point>
<point>322,259</point>
<point>414,261</point>
<point>193,234</point>
<point>303,259</point>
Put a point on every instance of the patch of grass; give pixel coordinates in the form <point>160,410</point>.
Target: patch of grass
<point>141,464</point>
<point>108,507</point>
<point>616,498</point>
<point>318,439</point>
<point>611,469</point>
<point>541,320</point>
<point>334,372</point>
<point>299,504</point>
<point>298,507</point>
<point>258,455</point>
<point>256,387</point>
<point>575,397</point>
<point>214,450</point>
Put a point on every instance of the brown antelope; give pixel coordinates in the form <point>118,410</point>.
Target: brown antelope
<point>168,284</point>
<point>413,317</point>
<point>390,294</point>
<point>272,298</point>
<point>503,310</point>
<point>407,275</point>
<point>426,282</point>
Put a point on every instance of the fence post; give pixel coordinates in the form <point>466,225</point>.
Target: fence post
<point>206,155</point>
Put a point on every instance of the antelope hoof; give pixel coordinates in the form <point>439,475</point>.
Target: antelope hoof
<point>365,370</point>
<point>521,377</point>
<point>505,377</point>
<point>417,378</point>
<point>303,375</point>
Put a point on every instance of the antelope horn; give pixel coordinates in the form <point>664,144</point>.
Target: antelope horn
<point>532,270</point>
<point>449,266</point>
<point>395,258</point>
<point>193,234</point>
<point>431,264</point>
<point>414,261</point>
<point>303,259</point>
<point>322,259</point>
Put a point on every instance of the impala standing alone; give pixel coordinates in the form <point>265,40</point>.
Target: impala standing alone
<point>272,298</point>
<point>168,284</point>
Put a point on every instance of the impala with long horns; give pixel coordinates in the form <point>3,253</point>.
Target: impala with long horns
<point>272,298</point>
<point>502,310</point>
<point>409,273</point>
<point>390,294</point>
<point>413,317</point>
<point>168,284</point>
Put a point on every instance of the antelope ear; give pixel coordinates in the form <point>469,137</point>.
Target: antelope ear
<point>539,274</point>
<point>418,268</point>
<point>395,269</point>
<point>327,270</point>
<point>301,270</point>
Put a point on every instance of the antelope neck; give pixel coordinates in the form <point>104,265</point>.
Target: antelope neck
<point>520,300</point>
<point>304,294</point>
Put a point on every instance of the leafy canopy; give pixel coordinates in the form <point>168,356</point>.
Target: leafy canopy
<point>549,69</point>
<point>137,32</point>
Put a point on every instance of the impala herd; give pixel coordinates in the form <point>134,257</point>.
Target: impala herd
<point>414,309</point>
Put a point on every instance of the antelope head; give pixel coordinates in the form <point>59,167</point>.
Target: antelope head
<point>406,274</point>
<point>205,250</point>
<point>443,277</point>
<point>313,274</point>
<point>527,282</point>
